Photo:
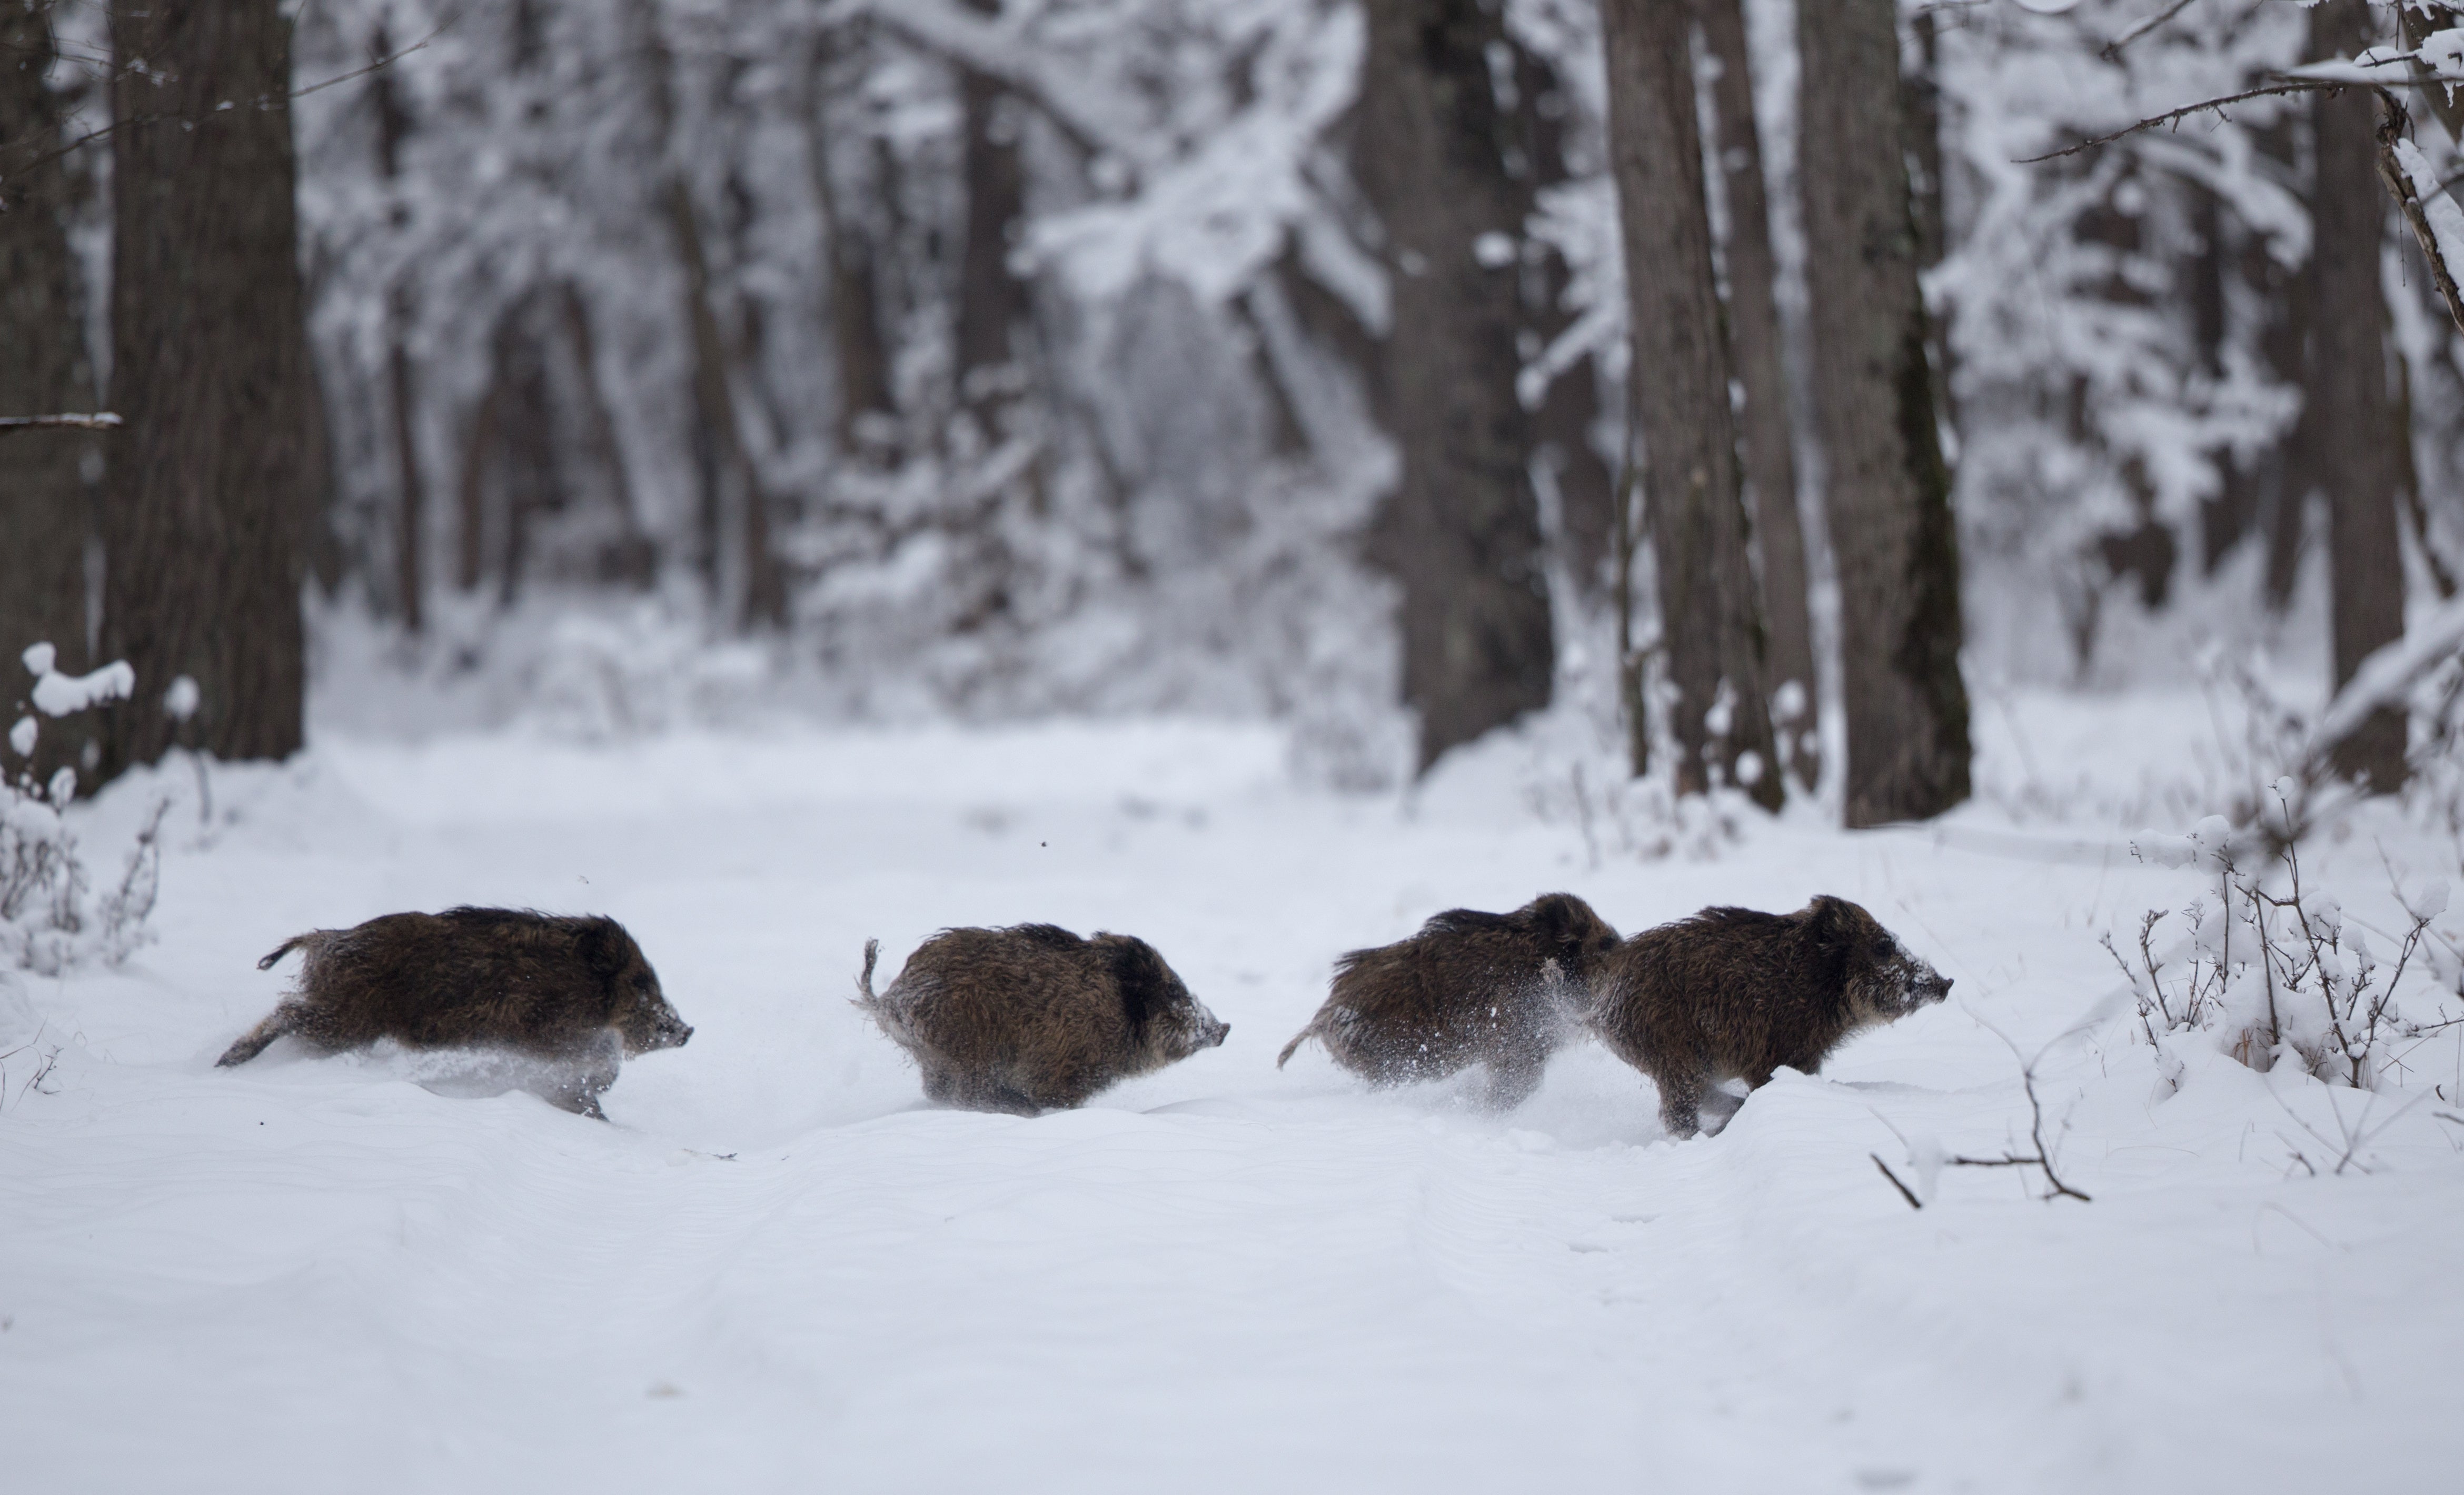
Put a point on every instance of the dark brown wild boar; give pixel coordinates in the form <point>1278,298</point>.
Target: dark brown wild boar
<point>570,988</point>
<point>1502,990</point>
<point>1733,994</point>
<point>1032,1018</point>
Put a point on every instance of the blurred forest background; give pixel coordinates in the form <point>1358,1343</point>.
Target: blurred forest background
<point>1392,367</point>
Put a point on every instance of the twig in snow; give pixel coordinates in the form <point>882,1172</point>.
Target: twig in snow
<point>1905,1191</point>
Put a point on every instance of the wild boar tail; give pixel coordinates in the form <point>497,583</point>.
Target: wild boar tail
<point>295,942</point>
<point>863,982</point>
<point>1298,1039</point>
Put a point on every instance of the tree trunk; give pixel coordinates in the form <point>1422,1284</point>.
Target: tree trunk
<point>401,387</point>
<point>846,254</point>
<point>749,581</point>
<point>1886,489</point>
<point>201,519</point>
<point>1562,425</point>
<point>633,559</point>
<point>46,513</point>
<point>2345,388</point>
<point>739,562</point>
<point>1710,627</point>
<point>992,299</point>
<point>1754,338</point>
<point>1462,531</point>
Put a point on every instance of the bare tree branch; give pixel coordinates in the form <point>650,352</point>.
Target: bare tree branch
<point>2112,52</point>
<point>101,421</point>
<point>984,48</point>
<point>2297,85</point>
<point>261,101</point>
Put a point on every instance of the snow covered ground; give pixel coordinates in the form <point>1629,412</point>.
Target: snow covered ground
<point>778,1270</point>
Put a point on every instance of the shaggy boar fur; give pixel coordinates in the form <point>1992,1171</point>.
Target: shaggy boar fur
<point>1497,989</point>
<point>574,989</point>
<point>1032,1018</point>
<point>1735,993</point>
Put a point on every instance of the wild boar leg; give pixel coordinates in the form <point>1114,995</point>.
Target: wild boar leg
<point>285,1020</point>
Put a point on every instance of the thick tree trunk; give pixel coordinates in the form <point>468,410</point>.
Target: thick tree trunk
<point>201,519</point>
<point>2344,390</point>
<point>46,513</point>
<point>1886,489</point>
<point>1710,625</point>
<point>1754,338</point>
<point>1462,531</point>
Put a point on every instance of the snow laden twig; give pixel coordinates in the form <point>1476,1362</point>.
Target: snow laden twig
<point>2433,217</point>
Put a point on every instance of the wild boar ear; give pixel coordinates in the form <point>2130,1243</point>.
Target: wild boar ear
<point>602,947</point>
<point>1832,922</point>
<point>1144,980</point>
<point>1551,917</point>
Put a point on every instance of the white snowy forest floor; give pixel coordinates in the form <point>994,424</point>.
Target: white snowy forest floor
<point>778,1270</point>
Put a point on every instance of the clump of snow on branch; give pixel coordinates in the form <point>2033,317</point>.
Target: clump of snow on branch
<point>52,917</point>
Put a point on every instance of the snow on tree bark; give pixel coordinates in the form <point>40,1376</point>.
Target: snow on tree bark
<point>2352,416</point>
<point>1692,493</point>
<point>1769,443</point>
<point>202,516</point>
<point>1886,489</point>
<point>1462,530</point>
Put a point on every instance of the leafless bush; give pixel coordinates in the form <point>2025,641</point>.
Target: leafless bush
<point>2272,965</point>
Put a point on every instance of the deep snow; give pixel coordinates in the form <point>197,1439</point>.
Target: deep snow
<point>778,1270</point>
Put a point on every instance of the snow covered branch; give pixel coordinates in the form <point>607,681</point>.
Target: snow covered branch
<point>997,53</point>
<point>2383,680</point>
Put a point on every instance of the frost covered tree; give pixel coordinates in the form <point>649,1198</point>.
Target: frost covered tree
<point>1711,627</point>
<point>1886,487</point>
<point>205,487</point>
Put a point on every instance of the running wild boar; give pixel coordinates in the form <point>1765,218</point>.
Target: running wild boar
<point>1503,990</point>
<point>1032,1018</point>
<point>572,989</point>
<point>1733,994</point>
